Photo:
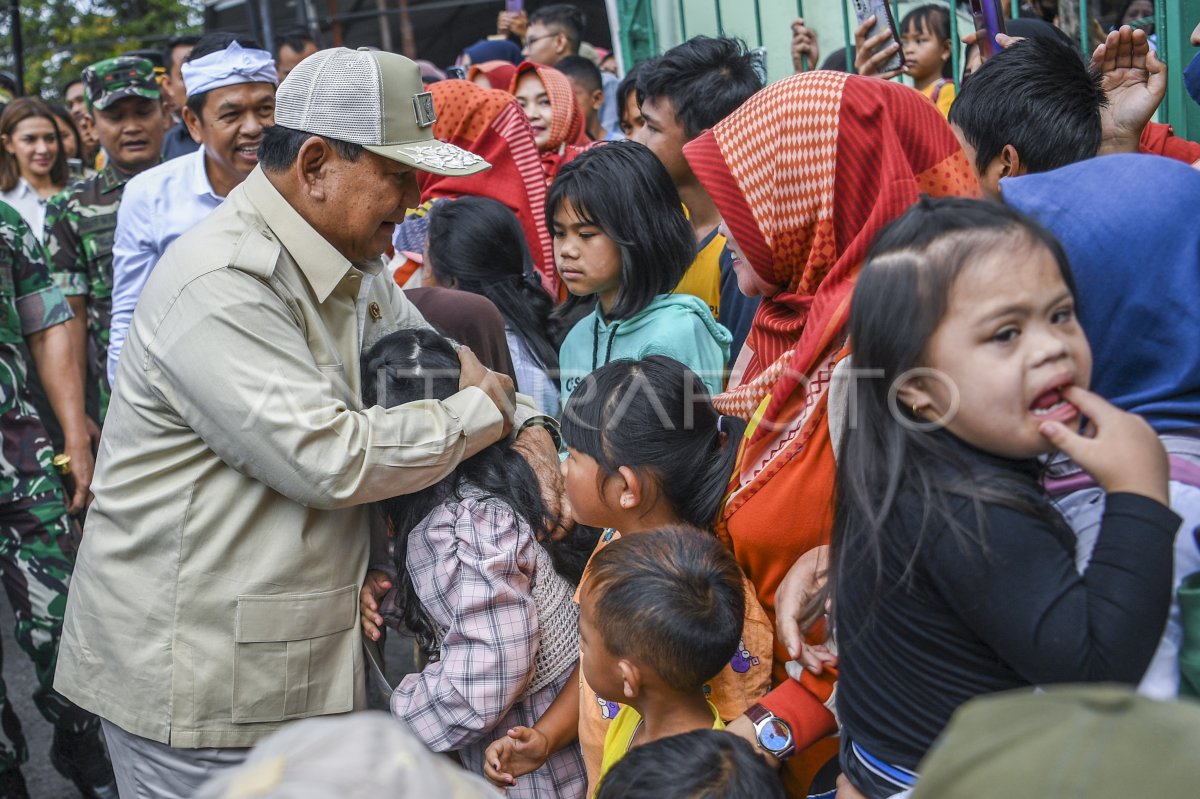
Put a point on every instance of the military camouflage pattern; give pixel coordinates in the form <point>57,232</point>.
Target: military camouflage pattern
<point>37,552</point>
<point>37,549</point>
<point>114,79</point>
<point>81,222</point>
<point>29,302</point>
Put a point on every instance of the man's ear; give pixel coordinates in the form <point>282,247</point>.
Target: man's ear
<point>631,677</point>
<point>597,99</point>
<point>1011,161</point>
<point>312,166</point>
<point>194,124</point>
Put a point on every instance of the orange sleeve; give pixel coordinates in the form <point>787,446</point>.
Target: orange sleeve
<point>1160,139</point>
<point>799,703</point>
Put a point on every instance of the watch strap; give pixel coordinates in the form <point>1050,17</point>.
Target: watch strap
<point>757,713</point>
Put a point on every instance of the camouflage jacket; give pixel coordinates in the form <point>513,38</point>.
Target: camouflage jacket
<point>29,302</point>
<point>81,222</point>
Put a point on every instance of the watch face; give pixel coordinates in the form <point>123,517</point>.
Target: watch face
<point>774,736</point>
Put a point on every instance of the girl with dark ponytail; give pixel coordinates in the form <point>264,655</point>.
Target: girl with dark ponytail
<point>476,245</point>
<point>480,584</point>
<point>646,449</point>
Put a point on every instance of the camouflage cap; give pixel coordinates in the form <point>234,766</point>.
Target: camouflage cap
<point>113,79</point>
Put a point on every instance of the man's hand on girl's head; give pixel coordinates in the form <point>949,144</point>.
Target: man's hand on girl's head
<point>499,387</point>
<point>536,446</point>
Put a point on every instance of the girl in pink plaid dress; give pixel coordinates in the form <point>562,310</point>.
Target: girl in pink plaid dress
<point>478,583</point>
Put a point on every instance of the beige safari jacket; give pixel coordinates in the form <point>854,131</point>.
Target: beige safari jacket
<point>216,590</point>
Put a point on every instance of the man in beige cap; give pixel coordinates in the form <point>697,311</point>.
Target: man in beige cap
<point>216,591</point>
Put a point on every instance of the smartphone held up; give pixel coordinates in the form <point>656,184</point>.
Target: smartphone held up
<point>989,22</point>
<point>884,21</point>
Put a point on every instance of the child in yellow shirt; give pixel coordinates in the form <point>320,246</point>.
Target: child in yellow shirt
<point>661,615</point>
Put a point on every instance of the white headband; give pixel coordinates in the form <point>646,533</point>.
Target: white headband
<point>229,67</point>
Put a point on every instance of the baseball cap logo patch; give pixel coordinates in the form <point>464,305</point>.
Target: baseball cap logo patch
<point>423,103</point>
<point>364,97</point>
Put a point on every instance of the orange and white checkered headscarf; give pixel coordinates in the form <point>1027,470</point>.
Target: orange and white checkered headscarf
<point>567,137</point>
<point>805,174</point>
<point>490,123</point>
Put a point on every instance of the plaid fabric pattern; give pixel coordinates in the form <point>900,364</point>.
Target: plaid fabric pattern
<point>473,564</point>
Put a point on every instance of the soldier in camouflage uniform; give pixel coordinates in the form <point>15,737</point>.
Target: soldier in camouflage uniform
<point>123,99</point>
<point>36,544</point>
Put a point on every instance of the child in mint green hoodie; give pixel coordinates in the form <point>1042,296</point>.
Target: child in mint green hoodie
<point>620,235</point>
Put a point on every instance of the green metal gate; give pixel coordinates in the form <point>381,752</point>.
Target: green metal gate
<point>649,26</point>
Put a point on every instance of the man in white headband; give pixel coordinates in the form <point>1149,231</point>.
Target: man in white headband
<point>230,101</point>
<point>216,593</point>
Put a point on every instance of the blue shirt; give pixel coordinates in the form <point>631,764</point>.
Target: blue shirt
<point>610,115</point>
<point>159,205</point>
<point>178,142</point>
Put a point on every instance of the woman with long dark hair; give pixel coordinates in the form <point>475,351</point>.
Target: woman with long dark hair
<point>475,244</point>
<point>33,165</point>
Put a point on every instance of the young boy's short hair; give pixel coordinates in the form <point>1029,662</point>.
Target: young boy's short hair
<point>703,764</point>
<point>581,71</point>
<point>670,599</point>
<point>705,79</point>
<point>1037,96</point>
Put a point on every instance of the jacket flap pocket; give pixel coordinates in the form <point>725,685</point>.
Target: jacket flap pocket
<point>295,617</point>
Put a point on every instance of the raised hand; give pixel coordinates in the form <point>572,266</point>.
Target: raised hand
<point>1135,82</point>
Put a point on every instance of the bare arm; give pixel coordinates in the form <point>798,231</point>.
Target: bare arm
<point>53,355</point>
<point>77,332</point>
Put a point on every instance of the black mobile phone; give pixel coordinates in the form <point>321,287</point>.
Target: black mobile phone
<point>456,73</point>
<point>882,10</point>
<point>989,21</point>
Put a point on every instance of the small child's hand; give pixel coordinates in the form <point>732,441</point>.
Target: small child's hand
<point>1124,453</point>
<point>521,751</point>
<point>374,587</point>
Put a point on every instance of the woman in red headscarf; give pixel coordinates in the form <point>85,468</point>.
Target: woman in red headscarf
<point>488,123</point>
<point>492,74</point>
<point>805,174</point>
<point>546,97</point>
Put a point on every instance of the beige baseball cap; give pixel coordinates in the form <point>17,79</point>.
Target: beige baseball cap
<point>371,98</point>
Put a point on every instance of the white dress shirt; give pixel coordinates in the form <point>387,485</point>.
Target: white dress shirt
<point>158,206</point>
<point>29,205</point>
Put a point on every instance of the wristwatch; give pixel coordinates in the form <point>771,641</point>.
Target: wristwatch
<point>547,422</point>
<point>774,734</point>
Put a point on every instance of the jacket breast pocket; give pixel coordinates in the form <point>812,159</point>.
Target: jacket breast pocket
<point>294,655</point>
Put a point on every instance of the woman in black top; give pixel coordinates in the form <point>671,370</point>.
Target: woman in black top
<point>952,575</point>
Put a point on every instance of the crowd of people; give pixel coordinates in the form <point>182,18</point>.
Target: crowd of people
<point>833,437</point>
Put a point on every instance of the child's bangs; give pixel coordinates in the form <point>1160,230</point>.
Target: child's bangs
<point>582,422</point>
<point>593,409</point>
<point>930,20</point>
<point>567,193</point>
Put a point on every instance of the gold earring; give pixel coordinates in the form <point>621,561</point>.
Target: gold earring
<point>916,409</point>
